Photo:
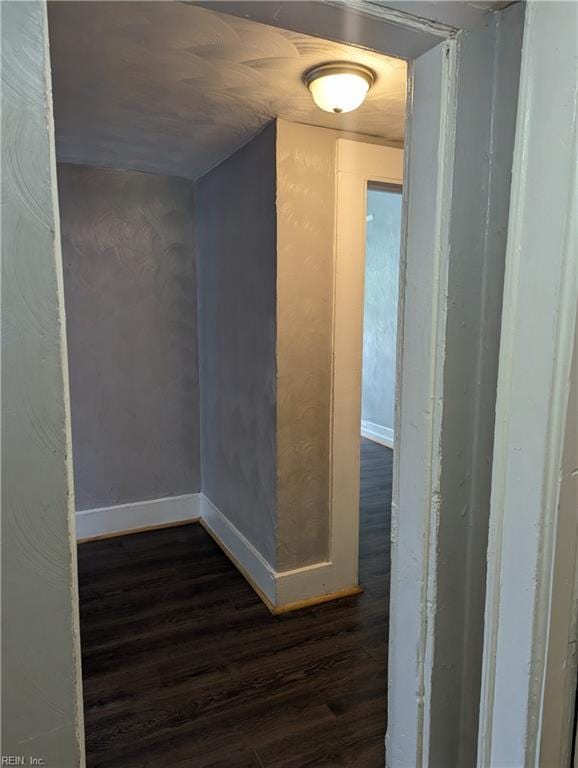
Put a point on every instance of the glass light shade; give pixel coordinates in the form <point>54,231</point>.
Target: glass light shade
<point>339,88</point>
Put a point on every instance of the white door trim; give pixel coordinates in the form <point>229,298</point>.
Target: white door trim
<point>424,268</point>
<point>357,164</point>
<point>540,300</point>
<point>558,728</point>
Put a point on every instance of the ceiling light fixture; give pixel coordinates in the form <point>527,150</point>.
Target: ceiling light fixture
<point>340,86</point>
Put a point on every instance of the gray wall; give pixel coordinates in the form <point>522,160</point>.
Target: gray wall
<point>306,158</point>
<point>236,252</point>
<point>382,244</point>
<point>129,279</point>
<point>306,189</point>
<point>41,695</point>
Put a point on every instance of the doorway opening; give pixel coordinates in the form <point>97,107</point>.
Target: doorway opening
<point>453,243</point>
<point>378,378</point>
<point>201,215</point>
<point>367,266</point>
<point>382,248</point>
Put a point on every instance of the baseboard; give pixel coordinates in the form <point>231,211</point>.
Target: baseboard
<point>377,433</point>
<point>303,584</point>
<point>105,522</point>
<point>240,551</point>
<point>281,591</point>
<point>299,604</point>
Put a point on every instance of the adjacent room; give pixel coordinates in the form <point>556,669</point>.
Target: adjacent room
<point>230,222</point>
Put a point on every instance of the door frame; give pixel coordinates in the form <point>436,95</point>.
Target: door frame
<point>454,66</point>
<point>522,621</point>
<point>463,70</point>
<point>357,164</point>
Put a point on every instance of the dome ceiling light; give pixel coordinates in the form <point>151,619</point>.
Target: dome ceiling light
<point>340,86</point>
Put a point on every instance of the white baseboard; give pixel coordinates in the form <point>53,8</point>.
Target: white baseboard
<point>377,433</point>
<point>306,583</point>
<point>280,590</point>
<point>240,551</point>
<point>108,521</point>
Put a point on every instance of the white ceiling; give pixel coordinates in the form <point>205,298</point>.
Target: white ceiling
<point>172,88</point>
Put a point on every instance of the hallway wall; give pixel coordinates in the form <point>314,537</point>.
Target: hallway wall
<point>306,191</point>
<point>236,247</point>
<point>130,293</point>
<point>306,158</point>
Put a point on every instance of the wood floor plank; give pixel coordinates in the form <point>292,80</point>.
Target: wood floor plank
<point>183,666</point>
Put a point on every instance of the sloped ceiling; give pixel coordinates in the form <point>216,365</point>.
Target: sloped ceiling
<point>172,88</point>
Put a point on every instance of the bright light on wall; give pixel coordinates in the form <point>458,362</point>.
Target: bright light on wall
<point>339,87</point>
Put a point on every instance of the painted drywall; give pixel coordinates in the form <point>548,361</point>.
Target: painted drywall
<point>41,679</point>
<point>236,257</point>
<point>306,159</point>
<point>265,234</point>
<point>382,244</point>
<point>306,189</point>
<point>130,291</point>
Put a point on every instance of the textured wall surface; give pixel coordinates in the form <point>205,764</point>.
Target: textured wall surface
<point>236,251</point>
<point>129,279</point>
<point>174,88</point>
<point>306,188</point>
<point>305,232</point>
<point>41,697</point>
<point>382,244</point>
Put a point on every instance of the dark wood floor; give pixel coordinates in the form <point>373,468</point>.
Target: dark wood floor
<point>184,666</point>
